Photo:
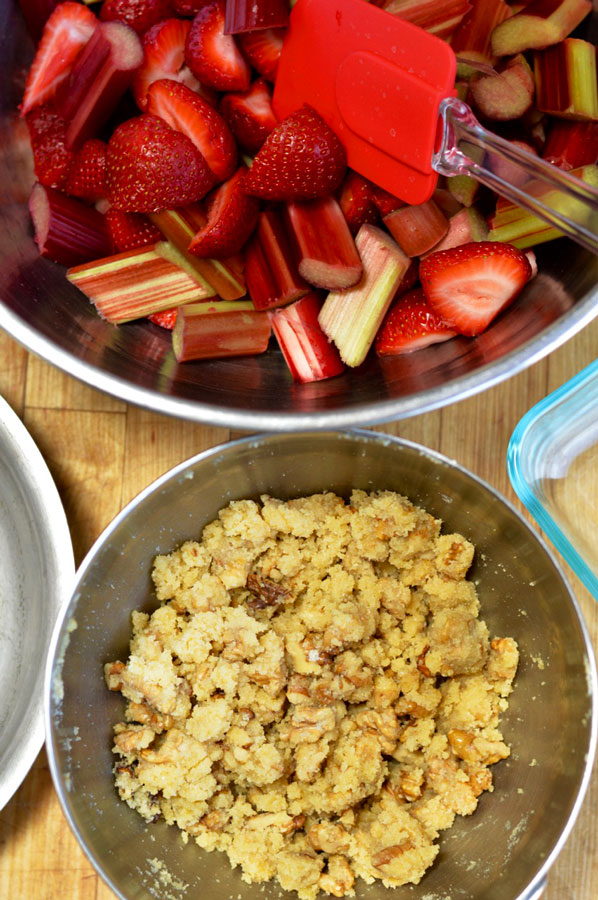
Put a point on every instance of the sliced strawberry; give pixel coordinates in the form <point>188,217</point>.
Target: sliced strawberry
<point>385,202</point>
<point>164,57</point>
<point>300,160</point>
<point>469,285</point>
<point>87,174</point>
<point>213,56</point>
<point>130,231</point>
<point>151,166</point>
<point>232,216</point>
<point>263,49</point>
<point>52,159</point>
<point>356,200</point>
<point>188,7</point>
<point>137,14</point>
<point>190,114</point>
<point>65,33</point>
<point>249,115</point>
<point>411,324</point>
<point>166,318</point>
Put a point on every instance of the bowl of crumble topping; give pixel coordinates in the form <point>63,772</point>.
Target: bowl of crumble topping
<point>322,663</point>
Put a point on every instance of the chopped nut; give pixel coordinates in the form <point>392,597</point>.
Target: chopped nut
<point>309,723</point>
<point>421,663</point>
<point>339,879</point>
<point>328,837</point>
<point>265,592</point>
<point>111,673</point>
<point>389,853</point>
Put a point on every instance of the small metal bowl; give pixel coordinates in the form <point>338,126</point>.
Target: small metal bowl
<point>505,849</point>
<point>134,362</point>
<point>36,577</point>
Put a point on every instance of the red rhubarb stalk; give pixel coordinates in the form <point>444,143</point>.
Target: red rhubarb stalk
<point>464,227</point>
<point>179,226</point>
<point>97,81</point>
<point>471,39</point>
<point>67,231</point>
<point>307,351</point>
<point>139,283</point>
<point>255,15</point>
<point>270,269</point>
<point>417,229</point>
<point>566,84</point>
<point>215,330</point>
<point>324,248</point>
<point>439,17</point>
<point>570,144</point>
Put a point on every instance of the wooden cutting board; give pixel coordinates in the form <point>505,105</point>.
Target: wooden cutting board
<point>103,452</point>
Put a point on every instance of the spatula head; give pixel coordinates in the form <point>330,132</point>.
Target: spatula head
<point>378,82</point>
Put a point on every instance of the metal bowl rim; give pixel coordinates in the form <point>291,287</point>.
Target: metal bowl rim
<point>570,323</point>
<point>535,887</point>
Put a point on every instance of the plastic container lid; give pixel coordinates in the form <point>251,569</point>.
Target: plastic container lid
<point>553,466</point>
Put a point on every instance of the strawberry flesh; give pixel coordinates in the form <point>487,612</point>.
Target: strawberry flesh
<point>356,200</point>
<point>65,34</point>
<point>130,231</point>
<point>263,49</point>
<point>187,112</point>
<point>301,159</point>
<point>411,324</point>
<point>249,115</point>
<point>139,15</point>
<point>52,159</point>
<point>164,57</point>
<point>232,217</point>
<point>470,285</point>
<point>213,56</point>
<point>166,318</point>
<point>151,166</point>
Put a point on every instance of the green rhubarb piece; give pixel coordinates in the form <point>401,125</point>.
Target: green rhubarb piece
<point>352,317</point>
<point>540,24</point>
<point>566,82</point>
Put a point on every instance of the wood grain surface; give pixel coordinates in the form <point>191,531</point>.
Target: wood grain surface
<point>102,452</point>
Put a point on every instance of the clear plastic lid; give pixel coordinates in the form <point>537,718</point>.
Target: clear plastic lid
<point>553,466</point>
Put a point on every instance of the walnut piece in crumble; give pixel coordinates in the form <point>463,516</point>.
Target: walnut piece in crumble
<point>316,695</point>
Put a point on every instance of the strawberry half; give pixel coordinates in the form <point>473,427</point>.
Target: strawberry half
<point>249,115</point>
<point>301,159</point>
<point>356,200</point>
<point>411,324</point>
<point>190,114</point>
<point>65,33</point>
<point>139,15</point>
<point>130,231</point>
<point>263,49</point>
<point>469,285</point>
<point>232,217</point>
<point>213,56</point>
<point>52,159</point>
<point>164,57</point>
<point>151,167</point>
<point>87,173</point>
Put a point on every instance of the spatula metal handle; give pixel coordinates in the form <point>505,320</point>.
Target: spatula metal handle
<point>562,200</point>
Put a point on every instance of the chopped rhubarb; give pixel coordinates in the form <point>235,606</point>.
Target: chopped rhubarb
<point>471,38</point>
<point>67,231</point>
<point>514,225</point>
<point>439,17</point>
<point>411,324</point>
<point>507,94</point>
<point>352,318</point>
<point>97,81</point>
<point>324,249</point>
<point>255,15</point>
<point>571,144</point>
<point>66,32</point>
<point>465,226</point>
<point>139,283</point>
<point>540,24</point>
<point>505,169</point>
<point>215,330</point>
<point>179,226</point>
<point>417,229</point>
<point>445,201</point>
<point>270,269</point>
<point>307,351</point>
<point>464,189</point>
<point>566,83</point>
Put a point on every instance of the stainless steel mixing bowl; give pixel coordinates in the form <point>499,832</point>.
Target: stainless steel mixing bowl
<point>504,851</point>
<point>135,362</point>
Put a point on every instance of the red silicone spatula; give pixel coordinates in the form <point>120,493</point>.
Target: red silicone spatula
<point>386,87</point>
